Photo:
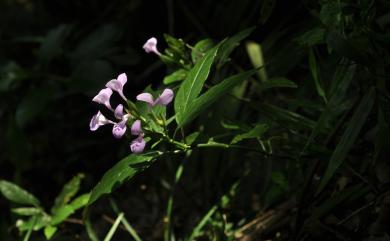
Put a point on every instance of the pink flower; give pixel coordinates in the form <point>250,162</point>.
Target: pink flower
<point>104,97</point>
<point>117,84</point>
<point>98,120</point>
<point>151,46</point>
<point>137,146</point>
<point>164,99</point>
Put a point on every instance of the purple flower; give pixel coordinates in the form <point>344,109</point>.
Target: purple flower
<point>119,129</point>
<point>137,145</point>
<point>98,120</point>
<point>164,99</point>
<point>104,97</point>
<point>151,46</point>
<point>136,128</point>
<point>119,111</point>
<point>117,84</point>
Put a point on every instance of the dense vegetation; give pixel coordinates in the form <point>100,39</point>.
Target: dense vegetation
<point>269,120</point>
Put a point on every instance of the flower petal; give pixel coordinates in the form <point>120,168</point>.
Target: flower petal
<point>119,111</point>
<point>151,46</point>
<point>146,97</point>
<point>119,129</point>
<point>136,128</point>
<point>98,120</point>
<point>165,98</point>
<point>122,78</point>
<point>104,97</point>
<point>138,145</point>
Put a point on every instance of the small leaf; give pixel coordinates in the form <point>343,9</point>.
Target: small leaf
<point>176,76</point>
<point>279,82</point>
<point>27,211</point>
<point>120,172</point>
<point>193,84</point>
<point>200,49</point>
<point>61,214</point>
<point>80,201</point>
<point>213,94</point>
<point>49,231</point>
<point>68,191</point>
<point>256,132</point>
<point>230,44</point>
<point>16,194</point>
<point>316,75</point>
<point>348,138</point>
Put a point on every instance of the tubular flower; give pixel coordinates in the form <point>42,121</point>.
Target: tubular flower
<point>164,99</point>
<point>98,120</point>
<point>137,145</point>
<point>136,128</point>
<point>117,84</point>
<point>151,46</point>
<point>119,129</point>
<point>104,97</point>
<point>119,111</point>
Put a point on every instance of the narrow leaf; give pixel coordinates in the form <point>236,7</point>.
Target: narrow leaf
<point>316,76</point>
<point>120,172</point>
<point>192,85</point>
<point>280,82</point>
<point>176,76</point>
<point>256,132</point>
<point>68,191</point>
<point>349,137</point>
<point>16,194</point>
<point>213,94</point>
<point>231,43</point>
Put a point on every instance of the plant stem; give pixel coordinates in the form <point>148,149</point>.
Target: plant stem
<point>114,227</point>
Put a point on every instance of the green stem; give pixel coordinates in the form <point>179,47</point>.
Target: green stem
<point>124,221</point>
<point>168,235</point>
<point>27,236</point>
<point>114,227</point>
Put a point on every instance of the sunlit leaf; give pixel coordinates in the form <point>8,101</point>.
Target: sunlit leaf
<point>16,194</point>
<point>120,172</point>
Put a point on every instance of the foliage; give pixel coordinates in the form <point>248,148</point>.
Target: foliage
<point>278,128</point>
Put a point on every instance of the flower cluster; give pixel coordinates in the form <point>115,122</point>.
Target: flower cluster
<point>123,115</point>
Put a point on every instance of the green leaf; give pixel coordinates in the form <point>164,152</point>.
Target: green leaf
<point>192,85</point>
<point>16,194</point>
<point>26,211</point>
<point>80,201</point>
<point>61,214</point>
<point>256,132</point>
<point>213,94</point>
<point>285,117</point>
<point>316,76</point>
<point>200,49</point>
<point>120,172</point>
<point>49,231</point>
<point>230,44</point>
<point>176,76</point>
<point>256,56</point>
<point>38,222</point>
<point>312,37</point>
<point>68,191</point>
<point>279,82</point>
<point>348,138</point>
